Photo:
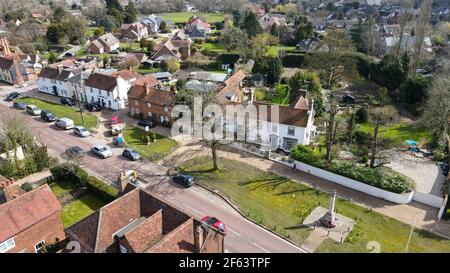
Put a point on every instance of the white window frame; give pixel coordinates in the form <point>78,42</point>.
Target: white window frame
<point>289,129</point>
<point>37,249</point>
<point>7,245</point>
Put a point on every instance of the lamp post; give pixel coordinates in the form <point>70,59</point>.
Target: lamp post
<point>77,95</point>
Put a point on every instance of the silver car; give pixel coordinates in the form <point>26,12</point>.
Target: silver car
<point>81,131</point>
<point>102,151</point>
<point>33,110</point>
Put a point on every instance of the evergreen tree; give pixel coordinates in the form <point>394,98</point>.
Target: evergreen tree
<point>274,30</point>
<point>251,24</point>
<point>274,70</point>
<point>130,13</point>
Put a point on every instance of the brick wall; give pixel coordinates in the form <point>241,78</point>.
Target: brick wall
<point>49,230</point>
<point>156,110</point>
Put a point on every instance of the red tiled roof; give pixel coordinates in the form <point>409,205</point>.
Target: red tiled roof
<point>101,81</point>
<point>153,96</point>
<point>27,210</point>
<point>149,79</point>
<point>287,115</point>
<point>127,75</point>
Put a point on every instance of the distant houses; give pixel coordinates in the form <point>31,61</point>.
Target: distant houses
<point>197,28</point>
<point>174,47</point>
<point>103,44</point>
<point>134,31</point>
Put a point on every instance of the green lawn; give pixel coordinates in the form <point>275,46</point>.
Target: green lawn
<point>280,204</point>
<point>399,132</point>
<point>154,151</point>
<point>216,47</point>
<point>274,50</point>
<point>133,46</point>
<point>59,110</point>
<point>61,187</point>
<point>182,17</point>
<point>281,97</point>
<point>89,31</point>
<point>80,209</point>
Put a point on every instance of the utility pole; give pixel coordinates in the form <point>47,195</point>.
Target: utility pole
<point>410,234</point>
<point>78,96</point>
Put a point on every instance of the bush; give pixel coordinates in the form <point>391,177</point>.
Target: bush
<point>69,172</point>
<point>100,189</point>
<point>27,186</point>
<point>363,138</point>
<point>306,155</point>
<point>259,94</point>
<point>362,115</point>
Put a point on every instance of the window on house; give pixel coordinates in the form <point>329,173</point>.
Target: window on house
<point>39,246</point>
<point>166,109</point>
<point>136,102</point>
<point>291,131</point>
<point>7,245</point>
<point>149,105</point>
<point>123,249</point>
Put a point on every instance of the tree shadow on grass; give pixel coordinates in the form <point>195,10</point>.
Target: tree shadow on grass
<point>296,227</point>
<point>295,191</point>
<point>265,183</point>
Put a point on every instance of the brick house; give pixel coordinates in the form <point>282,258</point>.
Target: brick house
<point>30,220</point>
<point>172,48</point>
<point>15,71</point>
<point>138,222</point>
<point>135,31</point>
<point>147,100</point>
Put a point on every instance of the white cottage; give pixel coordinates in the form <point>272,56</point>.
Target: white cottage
<point>54,81</point>
<point>107,90</point>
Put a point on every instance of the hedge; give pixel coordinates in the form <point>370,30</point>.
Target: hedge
<point>102,190</point>
<point>293,60</point>
<point>379,177</point>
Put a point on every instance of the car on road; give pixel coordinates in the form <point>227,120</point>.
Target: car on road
<point>81,131</point>
<point>65,123</point>
<point>131,154</point>
<point>115,51</point>
<point>33,110</point>
<point>184,180</point>
<point>12,96</point>
<point>75,151</point>
<point>215,223</point>
<point>48,116</point>
<point>20,105</point>
<point>101,150</point>
<point>92,107</point>
<point>146,122</point>
<point>67,101</point>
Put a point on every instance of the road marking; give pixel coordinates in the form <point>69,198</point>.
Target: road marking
<point>260,247</point>
<point>234,232</point>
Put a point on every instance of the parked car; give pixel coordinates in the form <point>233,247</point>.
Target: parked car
<point>65,123</point>
<point>131,154</point>
<point>215,223</point>
<point>75,151</point>
<point>115,51</point>
<point>48,116</point>
<point>81,131</point>
<point>33,110</point>
<point>101,150</point>
<point>67,101</point>
<point>12,96</point>
<point>92,107</point>
<point>184,180</point>
<point>20,105</point>
<point>146,122</point>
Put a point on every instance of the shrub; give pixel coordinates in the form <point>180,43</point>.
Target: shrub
<point>306,154</point>
<point>100,189</point>
<point>259,94</point>
<point>27,186</point>
<point>70,172</point>
<point>363,138</point>
<point>362,115</point>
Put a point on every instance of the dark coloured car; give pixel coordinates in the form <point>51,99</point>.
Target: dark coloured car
<point>216,223</point>
<point>92,107</point>
<point>184,180</point>
<point>48,116</point>
<point>146,122</point>
<point>67,101</point>
<point>115,51</point>
<point>20,105</point>
<point>75,151</point>
<point>131,154</point>
<point>12,96</point>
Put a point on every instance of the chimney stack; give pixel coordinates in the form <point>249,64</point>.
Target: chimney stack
<point>60,68</point>
<point>147,88</point>
<point>198,239</point>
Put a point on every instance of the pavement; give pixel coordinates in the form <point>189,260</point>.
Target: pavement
<point>243,236</point>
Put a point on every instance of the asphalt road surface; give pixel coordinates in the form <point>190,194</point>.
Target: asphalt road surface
<point>243,235</point>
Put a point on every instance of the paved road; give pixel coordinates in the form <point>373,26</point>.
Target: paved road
<point>243,235</point>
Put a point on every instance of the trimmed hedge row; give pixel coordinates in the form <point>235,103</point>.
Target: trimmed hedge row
<point>379,177</point>
<point>80,178</point>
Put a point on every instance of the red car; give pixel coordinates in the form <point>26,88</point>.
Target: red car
<point>216,223</point>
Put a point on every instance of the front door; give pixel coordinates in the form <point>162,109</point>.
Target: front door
<point>55,90</point>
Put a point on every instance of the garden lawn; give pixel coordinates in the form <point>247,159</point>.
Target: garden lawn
<point>80,209</point>
<point>399,132</point>
<point>61,111</point>
<point>61,187</point>
<point>282,96</point>
<point>280,204</point>
<point>133,46</point>
<point>155,150</point>
<point>274,50</point>
<point>182,17</point>
<point>216,47</point>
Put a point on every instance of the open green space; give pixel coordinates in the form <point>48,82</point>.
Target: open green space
<point>273,51</point>
<point>399,132</point>
<point>281,204</point>
<point>215,47</point>
<point>80,209</point>
<point>135,46</point>
<point>155,150</point>
<point>182,17</point>
<point>59,188</point>
<point>61,111</point>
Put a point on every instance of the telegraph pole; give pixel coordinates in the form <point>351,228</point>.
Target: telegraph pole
<point>78,96</point>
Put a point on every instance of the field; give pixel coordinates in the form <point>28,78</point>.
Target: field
<point>182,17</point>
<point>60,111</point>
<point>280,204</point>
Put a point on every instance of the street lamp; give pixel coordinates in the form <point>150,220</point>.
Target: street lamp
<point>77,95</point>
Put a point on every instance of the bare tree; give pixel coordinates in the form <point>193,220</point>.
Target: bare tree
<point>404,19</point>
<point>371,37</point>
<point>422,27</point>
<point>380,117</point>
<point>331,127</point>
<point>436,111</point>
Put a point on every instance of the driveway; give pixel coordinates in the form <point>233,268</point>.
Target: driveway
<point>425,173</point>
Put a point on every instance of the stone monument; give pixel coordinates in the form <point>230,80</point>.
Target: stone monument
<point>328,219</point>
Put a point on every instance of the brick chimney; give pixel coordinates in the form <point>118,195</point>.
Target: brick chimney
<point>60,68</point>
<point>198,238</point>
<point>147,88</point>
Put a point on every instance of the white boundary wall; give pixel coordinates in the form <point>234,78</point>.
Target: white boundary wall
<point>356,185</point>
<point>429,199</point>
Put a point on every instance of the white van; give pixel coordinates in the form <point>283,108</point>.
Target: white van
<point>65,123</point>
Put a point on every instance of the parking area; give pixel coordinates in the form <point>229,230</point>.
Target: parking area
<point>426,174</point>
